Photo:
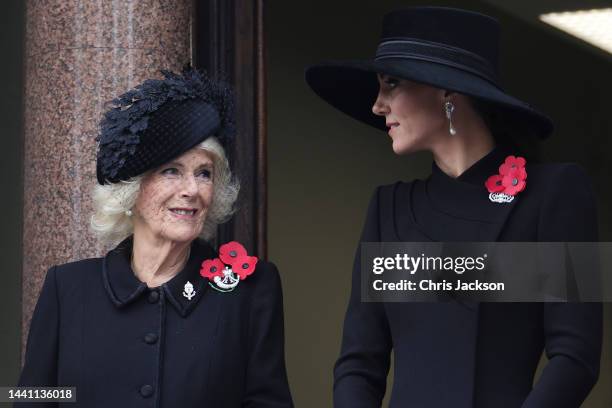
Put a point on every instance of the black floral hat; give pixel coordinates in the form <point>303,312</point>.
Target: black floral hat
<point>159,120</point>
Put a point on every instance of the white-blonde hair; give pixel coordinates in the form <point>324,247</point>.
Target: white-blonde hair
<point>111,223</point>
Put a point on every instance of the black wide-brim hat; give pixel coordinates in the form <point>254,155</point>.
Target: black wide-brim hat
<point>161,119</point>
<point>447,48</point>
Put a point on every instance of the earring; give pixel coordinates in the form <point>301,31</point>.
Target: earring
<point>449,108</point>
<point>128,213</point>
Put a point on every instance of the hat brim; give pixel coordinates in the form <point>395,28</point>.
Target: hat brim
<point>352,87</point>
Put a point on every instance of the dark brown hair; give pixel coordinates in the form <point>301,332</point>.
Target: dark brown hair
<point>509,130</point>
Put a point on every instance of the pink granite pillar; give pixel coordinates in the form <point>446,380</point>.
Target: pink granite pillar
<point>80,54</point>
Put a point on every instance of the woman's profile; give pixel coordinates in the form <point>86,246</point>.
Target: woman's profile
<point>433,86</point>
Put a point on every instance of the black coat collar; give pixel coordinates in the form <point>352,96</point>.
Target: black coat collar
<point>466,196</point>
<point>443,208</point>
<point>124,288</point>
<point>446,209</point>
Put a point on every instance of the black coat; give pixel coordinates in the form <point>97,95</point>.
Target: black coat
<point>122,344</point>
<point>480,354</point>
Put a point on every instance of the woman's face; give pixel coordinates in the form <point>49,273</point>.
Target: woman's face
<point>174,199</point>
<point>414,113</point>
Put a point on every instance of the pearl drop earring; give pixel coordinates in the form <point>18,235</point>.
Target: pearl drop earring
<point>449,108</point>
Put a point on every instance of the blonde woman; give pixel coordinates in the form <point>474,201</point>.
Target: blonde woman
<point>163,320</point>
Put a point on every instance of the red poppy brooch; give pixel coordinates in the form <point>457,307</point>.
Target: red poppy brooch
<point>233,265</point>
<point>510,181</point>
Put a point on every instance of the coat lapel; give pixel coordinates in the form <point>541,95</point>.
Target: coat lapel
<point>445,209</point>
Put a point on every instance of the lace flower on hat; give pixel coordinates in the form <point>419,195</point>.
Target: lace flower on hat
<point>123,124</point>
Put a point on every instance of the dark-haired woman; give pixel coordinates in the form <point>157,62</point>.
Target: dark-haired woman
<point>433,86</point>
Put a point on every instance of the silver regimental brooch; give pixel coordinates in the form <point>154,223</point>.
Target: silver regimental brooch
<point>188,291</point>
<point>500,198</point>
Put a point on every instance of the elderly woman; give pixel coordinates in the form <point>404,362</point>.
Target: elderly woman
<point>433,86</point>
<point>163,320</point>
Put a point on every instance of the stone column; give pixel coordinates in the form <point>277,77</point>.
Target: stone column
<point>79,55</point>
